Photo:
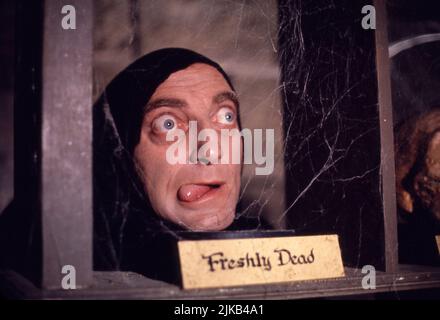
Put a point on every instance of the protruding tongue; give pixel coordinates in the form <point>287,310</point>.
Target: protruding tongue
<point>192,192</point>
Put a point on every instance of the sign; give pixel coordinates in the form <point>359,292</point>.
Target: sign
<point>234,262</point>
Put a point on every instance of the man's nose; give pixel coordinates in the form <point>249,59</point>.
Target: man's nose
<point>208,150</point>
<point>211,157</point>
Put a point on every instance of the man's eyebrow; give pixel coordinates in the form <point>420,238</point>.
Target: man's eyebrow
<point>226,95</point>
<point>179,103</point>
<point>165,102</point>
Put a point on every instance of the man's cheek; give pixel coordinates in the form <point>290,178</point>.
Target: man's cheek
<point>160,198</point>
<point>237,175</point>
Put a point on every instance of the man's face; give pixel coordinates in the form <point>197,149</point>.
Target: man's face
<point>200,196</point>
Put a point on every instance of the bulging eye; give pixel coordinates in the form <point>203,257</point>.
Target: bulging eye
<point>226,116</point>
<point>165,123</point>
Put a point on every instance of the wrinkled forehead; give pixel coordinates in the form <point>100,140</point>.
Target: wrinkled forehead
<point>198,76</point>
<point>198,82</point>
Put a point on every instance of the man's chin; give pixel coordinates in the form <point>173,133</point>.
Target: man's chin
<point>215,222</point>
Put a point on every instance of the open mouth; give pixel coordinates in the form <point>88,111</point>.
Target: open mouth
<point>197,191</point>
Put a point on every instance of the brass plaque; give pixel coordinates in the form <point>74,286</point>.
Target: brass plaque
<point>234,262</point>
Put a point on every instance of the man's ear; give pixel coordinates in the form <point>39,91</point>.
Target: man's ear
<point>405,201</point>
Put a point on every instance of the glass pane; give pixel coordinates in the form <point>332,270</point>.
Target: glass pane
<point>303,71</point>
